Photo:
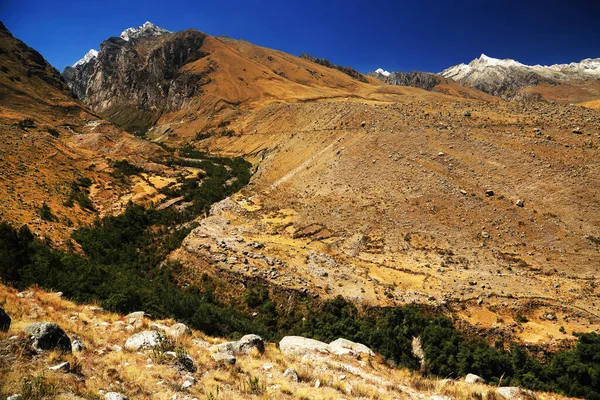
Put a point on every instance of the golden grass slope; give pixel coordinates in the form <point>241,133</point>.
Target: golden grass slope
<point>104,366</point>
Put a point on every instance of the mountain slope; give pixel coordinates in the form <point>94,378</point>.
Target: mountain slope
<point>429,81</point>
<point>508,78</point>
<point>377,192</point>
<point>53,147</point>
<point>188,77</point>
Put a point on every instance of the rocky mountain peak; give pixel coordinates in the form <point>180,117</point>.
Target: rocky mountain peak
<point>90,55</point>
<point>382,72</point>
<point>147,29</point>
<point>505,77</point>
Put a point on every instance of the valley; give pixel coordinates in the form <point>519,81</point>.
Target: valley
<point>242,190</point>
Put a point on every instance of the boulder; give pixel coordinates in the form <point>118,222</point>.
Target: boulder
<point>509,392</point>
<point>115,396</point>
<point>249,342</point>
<point>224,358</point>
<point>137,315</point>
<point>520,203</point>
<point>141,340</point>
<point>472,378</point>
<point>177,330</point>
<point>346,347</point>
<point>14,397</point>
<point>299,346</point>
<point>48,336</point>
<point>226,348</point>
<point>4,321</point>
<point>77,346</point>
<point>291,374</point>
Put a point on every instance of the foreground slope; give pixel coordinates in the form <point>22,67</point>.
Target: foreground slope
<point>101,363</point>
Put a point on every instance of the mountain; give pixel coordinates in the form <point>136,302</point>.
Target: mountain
<point>510,79</point>
<point>55,152</point>
<point>148,29</point>
<point>189,76</point>
<point>428,81</point>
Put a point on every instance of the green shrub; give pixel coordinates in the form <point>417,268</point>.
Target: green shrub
<point>53,132</point>
<point>46,213</point>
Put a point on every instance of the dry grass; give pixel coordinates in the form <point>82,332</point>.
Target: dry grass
<point>102,366</point>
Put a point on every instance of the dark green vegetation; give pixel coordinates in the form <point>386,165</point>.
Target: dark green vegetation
<point>80,189</point>
<point>124,270</point>
<point>46,213</point>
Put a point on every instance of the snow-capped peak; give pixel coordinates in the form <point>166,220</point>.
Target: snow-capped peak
<point>148,29</point>
<point>382,72</point>
<point>90,55</point>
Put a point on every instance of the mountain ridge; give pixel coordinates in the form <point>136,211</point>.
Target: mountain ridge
<point>508,78</point>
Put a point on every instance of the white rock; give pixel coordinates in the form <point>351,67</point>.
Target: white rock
<point>472,378</point>
<point>298,346</point>
<point>224,358</point>
<point>64,367</point>
<point>178,329</point>
<point>115,396</point>
<point>509,392</point>
<point>145,339</point>
<point>186,384</point>
<point>346,347</point>
<point>291,374</point>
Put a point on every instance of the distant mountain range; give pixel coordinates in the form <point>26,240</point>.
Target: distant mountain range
<point>510,79</point>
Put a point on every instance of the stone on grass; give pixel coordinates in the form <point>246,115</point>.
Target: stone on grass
<point>346,347</point>
<point>178,329</point>
<point>143,340</point>
<point>509,392</point>
<point>48,336</point>
<point>63,367</point>
<point>291,374</point>
<point>472,378</point>
<point>299,346</point>
<point>224,358</point>
<point>115,396</point>
<point>249,342</point>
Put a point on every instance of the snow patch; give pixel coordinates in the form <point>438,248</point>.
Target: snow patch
<point>382,72</point>
<point>90,55</point>
<point>148,29</point>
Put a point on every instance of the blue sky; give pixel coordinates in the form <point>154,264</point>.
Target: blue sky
<point>398,35</point>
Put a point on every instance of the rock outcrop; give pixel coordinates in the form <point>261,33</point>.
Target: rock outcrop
<point>418,79</point>
<point>346,347</point>
<point>300,346</point>
<point>472,378</point>
<point>326,63</point>
<point>132,82</point>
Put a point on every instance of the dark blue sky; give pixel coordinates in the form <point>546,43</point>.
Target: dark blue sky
<point>426,35</point>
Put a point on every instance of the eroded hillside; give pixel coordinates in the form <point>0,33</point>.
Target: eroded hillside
<point>490,206</point>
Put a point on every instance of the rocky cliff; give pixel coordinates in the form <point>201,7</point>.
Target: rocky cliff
<point>134,81</point>
<point>418,79</point>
